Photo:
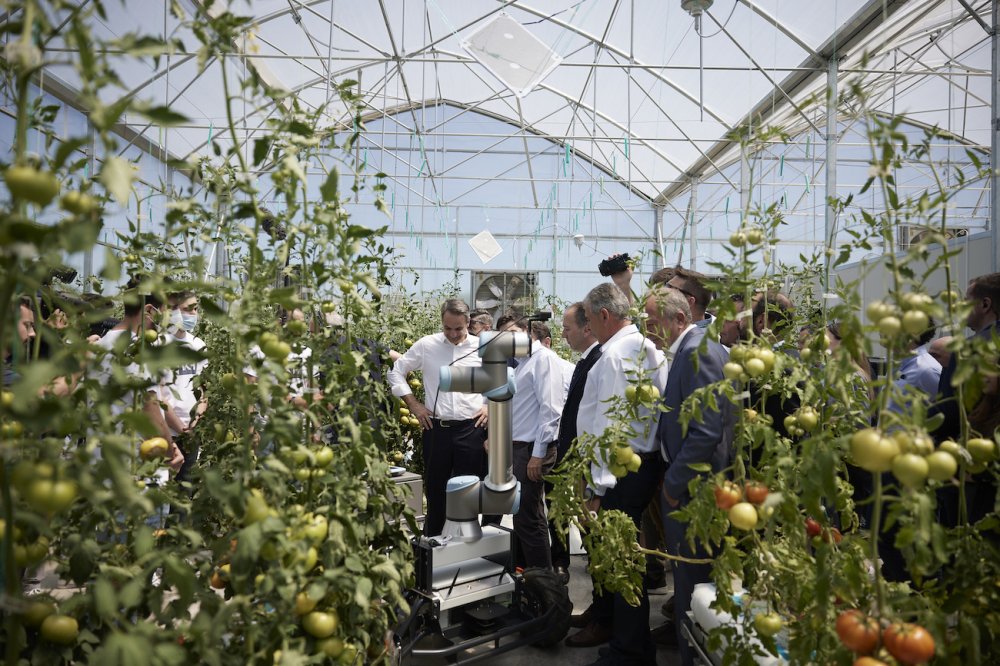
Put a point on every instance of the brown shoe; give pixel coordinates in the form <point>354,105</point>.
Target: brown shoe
<point>583,619</point>
<point>590,636</point>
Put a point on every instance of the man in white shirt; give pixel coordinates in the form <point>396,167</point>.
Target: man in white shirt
<point>453,423</point>
<point>626,356</point>
<point>535,411</point>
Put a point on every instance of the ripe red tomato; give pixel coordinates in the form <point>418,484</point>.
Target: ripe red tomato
<point>858,632</point>
<point>909,643</point>
<point>727,495</point>
<point>813,528</point>
<point>756,492</point>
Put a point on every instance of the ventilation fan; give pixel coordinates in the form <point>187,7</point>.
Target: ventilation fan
<point>501,293</point>
<point>911,235</point>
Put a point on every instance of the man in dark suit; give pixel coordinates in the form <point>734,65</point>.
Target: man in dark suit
<point>577,334</point>
<point>693,362</point>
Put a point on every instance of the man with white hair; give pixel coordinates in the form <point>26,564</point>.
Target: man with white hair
<point>693,362</point>
<point>627,355</point>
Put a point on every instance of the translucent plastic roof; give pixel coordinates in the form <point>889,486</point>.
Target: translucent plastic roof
<point>637,90</point>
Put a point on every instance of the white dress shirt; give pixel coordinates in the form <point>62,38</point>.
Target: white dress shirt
<point>538,402</point>
<point>567,371</point>
<point>623,356</point>
<point>677,345</point>
<point>428,355</point>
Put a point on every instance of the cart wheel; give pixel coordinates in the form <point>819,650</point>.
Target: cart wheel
<point>542,592</point>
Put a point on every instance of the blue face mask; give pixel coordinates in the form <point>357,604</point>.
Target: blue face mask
<point>190,322</point>
<point>175,319</point>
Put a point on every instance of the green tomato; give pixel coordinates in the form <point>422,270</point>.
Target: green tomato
<point>915,322</point>
<point>732,371</point>
<point>256,508</point>
<point>890,326</point>
<point>630,392</point>
<point>25,182</point>
<point>941,466</point>
<point>331,647</point>
<point>755,367</point>
<point>743,516</point>
<point>61,629</point>
<point>634,463</point>
<point>981,450</point>
<point>911,469</point>
<point>873,452</point>
<point>319,624</point>
<point>768,624</point>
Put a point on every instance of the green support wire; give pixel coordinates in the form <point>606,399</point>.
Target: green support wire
<point>781,165</point>
<point>807,184</point>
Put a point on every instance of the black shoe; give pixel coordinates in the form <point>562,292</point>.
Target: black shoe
<point>668,608</point>
<point>583,619</point>
<point>665,634</point>
<point>590,636</point>
<point>562,573</point>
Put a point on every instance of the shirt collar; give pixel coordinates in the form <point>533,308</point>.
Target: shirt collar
<point>586,352</point>
<point>677,343</point>
<point>623,333</point>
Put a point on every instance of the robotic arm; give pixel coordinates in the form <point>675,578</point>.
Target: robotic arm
<point>499,492</point>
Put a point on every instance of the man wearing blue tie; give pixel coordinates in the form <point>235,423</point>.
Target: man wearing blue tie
<point>693,362</point>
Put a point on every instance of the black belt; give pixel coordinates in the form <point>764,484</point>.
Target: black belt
<point>651,455</point>
<point>451,423</point>
<point>549,446</point>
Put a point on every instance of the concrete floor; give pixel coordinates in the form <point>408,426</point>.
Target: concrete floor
<point>580,589</point>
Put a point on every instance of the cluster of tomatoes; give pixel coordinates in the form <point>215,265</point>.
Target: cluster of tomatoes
<point>905,642</point>
<point>912,458</point>
<point>746,362</point>
<point>911,319</point>
<point>744,514</point>
<point>746,236</point>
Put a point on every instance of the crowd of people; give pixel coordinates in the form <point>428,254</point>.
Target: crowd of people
<point>674,351</point>
<point>557,403</point>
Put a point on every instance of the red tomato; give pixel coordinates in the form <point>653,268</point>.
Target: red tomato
<point>858,632</point>
<point>813,528</point>
<point>756,492</point>
<point>727,495</point>
<point>909,643</point>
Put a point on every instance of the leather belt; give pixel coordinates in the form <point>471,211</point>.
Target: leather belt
<point>452,423</point>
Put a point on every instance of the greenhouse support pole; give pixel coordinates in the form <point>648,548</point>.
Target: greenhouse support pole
<point>88,256</point>
<point>658,233</point>
<point>830,219</point>
<point>693,221</point>
<point>995,140</point>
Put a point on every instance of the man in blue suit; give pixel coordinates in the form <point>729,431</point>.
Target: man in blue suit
<point>694,360</point>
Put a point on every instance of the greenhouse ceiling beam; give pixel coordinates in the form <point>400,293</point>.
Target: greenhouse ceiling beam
<point>773,20</point>
<point>307,5</point>
<point>979,19</point>
<point>406,90</point>
<point>653,71</point>
<point>866,20</point>
<point>777,86</point>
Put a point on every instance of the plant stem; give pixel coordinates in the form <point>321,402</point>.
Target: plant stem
<point>876,527</point>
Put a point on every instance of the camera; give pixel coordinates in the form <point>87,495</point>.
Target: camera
<point>615,264</point>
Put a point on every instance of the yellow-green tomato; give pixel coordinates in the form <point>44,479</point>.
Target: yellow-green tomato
<point>755,367</point>
<point>981,450</point>
<point>768,624</point>
<point>304,604</point>
<point>25,182</point>
<point>873,452</point>
<point>743,516</point>
<point>915,322</point>
<point>634,463</point>
<point>331,647</point>
<point>732,371</point>
<point>61,629</point>
<point>623,454</point>
<point>911,469</point>
<point>319,624</point>
<point>890,326</point>
<point>941,466</point>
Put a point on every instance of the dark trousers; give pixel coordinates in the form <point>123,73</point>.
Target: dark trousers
<point>530,526</point>
<point>630,639</point>
<point>686,576</point>
<point>451,448</point>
